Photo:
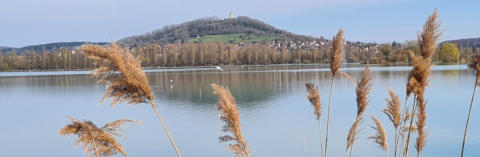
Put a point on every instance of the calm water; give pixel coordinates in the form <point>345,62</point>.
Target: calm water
<point>276,118</point>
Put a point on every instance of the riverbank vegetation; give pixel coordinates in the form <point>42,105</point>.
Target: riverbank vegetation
<point>224,53</point>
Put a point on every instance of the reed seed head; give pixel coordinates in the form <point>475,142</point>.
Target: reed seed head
<point>314,97</point>
<point>227,108</point>
<point>349,78</point>
<point>475,65</point>
<point>364,86</point>
<point>393,109</point>
<point>103,138</point>
<point>419,75</point>
<point>121,73</point>
<point>336,56</point>
<point>353,132</point>
<point>429,37</point>
<point>380,137</point>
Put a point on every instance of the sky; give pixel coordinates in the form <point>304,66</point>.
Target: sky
<point>32,22</point>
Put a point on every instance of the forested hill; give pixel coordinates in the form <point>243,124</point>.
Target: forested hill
<point>254,30</point>
<point>465,43</point>
<point>48,47</point>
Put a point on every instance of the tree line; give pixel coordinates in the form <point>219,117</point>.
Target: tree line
<point>209,54</point>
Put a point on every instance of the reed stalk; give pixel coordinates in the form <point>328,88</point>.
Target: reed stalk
<point>410,129</point>
<point>95,147</point>
<point>363,89</point>
<point>468,117</point>
<point>335,64</point>
<point>165,129</point>
<point>124,78</point>
<point>393,111</point>
<point>419,77</point>
<point>476,66</point>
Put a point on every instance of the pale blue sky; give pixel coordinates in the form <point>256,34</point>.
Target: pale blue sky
<point>29,22</point>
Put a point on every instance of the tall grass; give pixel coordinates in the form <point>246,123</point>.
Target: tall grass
<point>393,110</point>
<point>419,78</point>
<point>475,65</point>
<point>227,108</point>
<point>124,78</point>
<point>94,140</point>
<point>364,86</point>
<point>336,58</point>
<point>314,97</point>
<point>380,137</point>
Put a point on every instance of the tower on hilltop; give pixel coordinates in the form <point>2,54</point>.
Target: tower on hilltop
<point>231,16</point>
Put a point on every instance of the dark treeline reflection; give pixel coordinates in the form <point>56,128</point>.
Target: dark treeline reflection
<point>251,86</point>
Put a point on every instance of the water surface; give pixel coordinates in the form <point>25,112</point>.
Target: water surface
<point>276,118</point>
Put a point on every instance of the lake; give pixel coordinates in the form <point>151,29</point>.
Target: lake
<point>276,118</point>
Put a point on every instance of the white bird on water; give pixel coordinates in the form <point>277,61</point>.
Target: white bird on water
<point>218,68</point>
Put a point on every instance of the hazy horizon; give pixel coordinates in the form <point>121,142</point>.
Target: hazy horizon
<point>29,22</point>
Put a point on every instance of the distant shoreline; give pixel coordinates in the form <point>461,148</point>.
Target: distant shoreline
<point>323,67</point>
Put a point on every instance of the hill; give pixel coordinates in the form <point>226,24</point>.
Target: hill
<point>235,30</point>
<point>48,46</point>
<point>465,43</point>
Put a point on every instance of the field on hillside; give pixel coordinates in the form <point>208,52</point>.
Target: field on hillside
<point>233,38</point>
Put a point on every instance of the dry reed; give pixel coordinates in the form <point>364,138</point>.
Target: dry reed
<point>122,74</point>
<point>124,78</point>
<point>336,58</point>
<point>227,108</point>
<point>363,90</point>
<point>352,134</point>
<point>421,132</point>
<point>475,65</point>
<point>419,77</point>
<point>393,111</point>
<point>380,137</point>
<point>97,141</point>
<point>364,86</point>
<point>314,97</point>
<point>349,78</point>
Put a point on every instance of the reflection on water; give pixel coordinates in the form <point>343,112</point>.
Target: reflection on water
<point>276,117</point>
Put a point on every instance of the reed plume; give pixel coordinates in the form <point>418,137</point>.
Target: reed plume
<point>352,134</point>
<point>393,111</point>
<point>314,97</point>
<point>420,74</point>
<point>336,57</point>
<point>475,65</point>
<point>335,64</point>
<point>97,141</point>
<point>122,74</point>
<point>349,78</point>
<point>363,89</point>
<point>429,37</point>
<point>227,108</point>
<point>380,137</point>
<point>124,78</point>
